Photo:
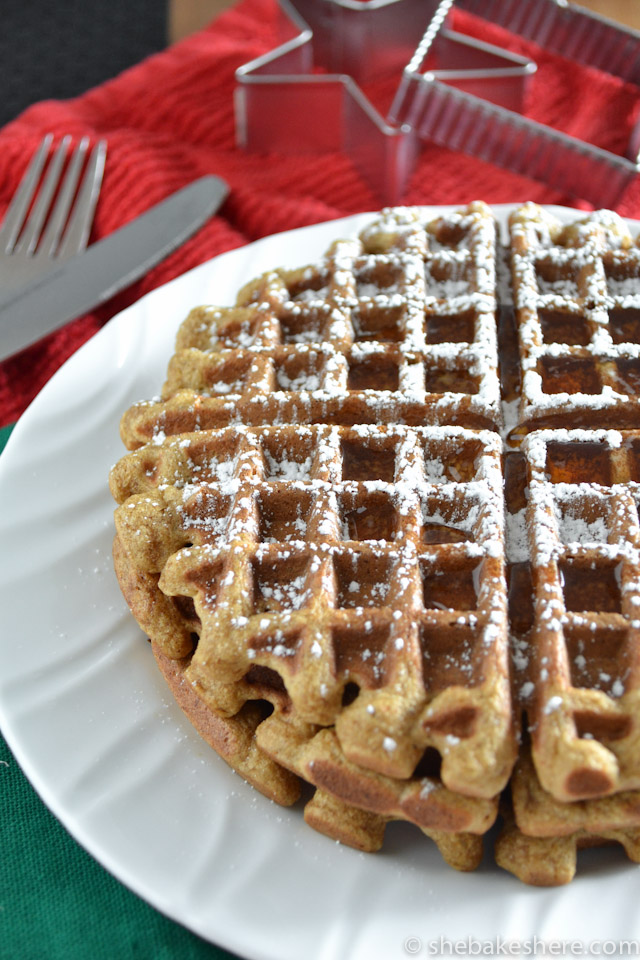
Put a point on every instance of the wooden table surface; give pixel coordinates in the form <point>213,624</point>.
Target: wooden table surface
<point>187,16</point>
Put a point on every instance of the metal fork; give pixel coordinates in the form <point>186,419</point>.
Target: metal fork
<point>50,216</point>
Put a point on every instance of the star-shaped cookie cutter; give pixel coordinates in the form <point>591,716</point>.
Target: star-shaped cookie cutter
<point>305,96</point>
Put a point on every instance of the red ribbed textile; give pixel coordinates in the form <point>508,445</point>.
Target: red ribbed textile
<point>170,119</point>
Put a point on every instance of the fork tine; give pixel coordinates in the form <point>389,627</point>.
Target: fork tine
<point>79,227</point>
<point>60,211</point>
<point>17,211</point>
<point>31,234</point>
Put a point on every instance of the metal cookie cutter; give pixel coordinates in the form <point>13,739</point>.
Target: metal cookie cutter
<point>282,105</point>
<point>439,108</point>
<point>304,96</point>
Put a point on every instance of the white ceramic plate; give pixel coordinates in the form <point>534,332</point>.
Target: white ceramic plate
<point>88,717</point>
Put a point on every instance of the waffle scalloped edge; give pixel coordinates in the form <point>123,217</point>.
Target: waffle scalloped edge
<point>541,836</point>
<point>348,804</point>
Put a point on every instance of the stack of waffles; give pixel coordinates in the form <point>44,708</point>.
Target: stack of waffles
<point>357,576</point>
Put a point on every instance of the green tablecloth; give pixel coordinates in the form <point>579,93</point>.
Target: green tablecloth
<point>57,903</point>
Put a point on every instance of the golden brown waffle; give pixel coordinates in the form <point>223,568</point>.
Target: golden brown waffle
<point>311,530</point>
<point>363,567</point>
<point>580,671</point>
<point>396,327</point>
<point>576,294</point>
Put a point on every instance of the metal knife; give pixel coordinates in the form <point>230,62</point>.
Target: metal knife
<point>79,284</point>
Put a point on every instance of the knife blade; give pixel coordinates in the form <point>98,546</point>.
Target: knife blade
<point>81,283</point>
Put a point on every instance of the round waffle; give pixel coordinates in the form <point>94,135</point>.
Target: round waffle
<point>360,578</point>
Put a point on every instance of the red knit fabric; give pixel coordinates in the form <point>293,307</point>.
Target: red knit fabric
<point>170,119</point>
